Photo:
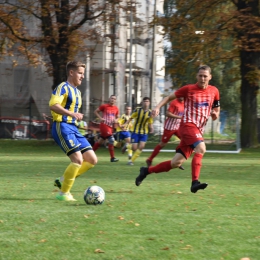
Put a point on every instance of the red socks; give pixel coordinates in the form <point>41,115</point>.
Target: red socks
<point>111,150</point>
<point>161,167</point>
<point>156,150</point>
<point>196,166</point>
<point>95,146</point>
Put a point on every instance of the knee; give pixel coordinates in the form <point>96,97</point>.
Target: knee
<point>111,140</point>
<point>176,164</point>
<point>93,159</point>
<point>78,161</point>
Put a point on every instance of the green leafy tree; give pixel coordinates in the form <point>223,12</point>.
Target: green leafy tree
<point>59,27</point>
<point>226,36</point>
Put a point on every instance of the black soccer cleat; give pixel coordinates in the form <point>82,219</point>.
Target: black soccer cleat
<point>196,185</point>
<point>142,175</point>
<point>114,159</point>
<point>57,183</point>
<point>181,168</point>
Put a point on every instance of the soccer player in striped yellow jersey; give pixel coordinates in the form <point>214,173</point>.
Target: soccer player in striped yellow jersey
<point>123,132</point>
<point>142,126</point>
<point>64,104</point>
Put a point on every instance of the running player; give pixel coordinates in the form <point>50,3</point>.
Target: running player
<point>171,127</point>
<point>123,132</point>
<point>64,104</point>
<point>201,100</point>
<point>143,124</point>
<point>110,115</point>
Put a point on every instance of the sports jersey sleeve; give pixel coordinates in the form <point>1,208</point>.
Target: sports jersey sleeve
<point>102,108</point>
<point>216,102</point>
<point>57,95</point>
<point>150,120</point>
<point>134,114</point>
<point>182,92</point>
<point>171,107</point>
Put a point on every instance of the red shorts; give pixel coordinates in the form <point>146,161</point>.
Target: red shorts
<point>105,131</point>
<point>189,134</point>
<point>167,134</point>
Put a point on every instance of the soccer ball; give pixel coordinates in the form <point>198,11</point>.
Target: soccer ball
<point>94,195</point>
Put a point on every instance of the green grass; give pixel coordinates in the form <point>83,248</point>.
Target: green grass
<point>159,220</point>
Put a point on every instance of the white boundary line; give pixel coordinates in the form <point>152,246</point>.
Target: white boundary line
<point>207,151</point>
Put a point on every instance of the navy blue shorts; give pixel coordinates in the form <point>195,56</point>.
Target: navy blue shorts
<point>136,138</point>
<point>69,138</point>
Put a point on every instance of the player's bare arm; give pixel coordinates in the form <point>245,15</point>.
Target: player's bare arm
<point>116,119</point>
<point>96,112</point>
<point>151,128</point>
<point>57,108</point>
<point>171,115</point>
<point>127,122</point>
<point>156,110</point>
<point>215,113</point>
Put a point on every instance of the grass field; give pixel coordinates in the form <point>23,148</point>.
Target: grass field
<point>159,220</point>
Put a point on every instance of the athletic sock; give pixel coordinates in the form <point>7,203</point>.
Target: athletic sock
<point>161,167</point>
<point>95,146</point>
<point>111,150</point>
<point>156,150</point>
<point>69,177</point>
<point>136,154</point>
<point>129,151</point>
<point>196,166</point>
<point>85,166</point>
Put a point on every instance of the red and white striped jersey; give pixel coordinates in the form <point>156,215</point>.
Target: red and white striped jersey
<point>197,103</point>
<point>176,107</point>
<point>110,113</point>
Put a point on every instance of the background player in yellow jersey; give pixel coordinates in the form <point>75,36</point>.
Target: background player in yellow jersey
<point>65,103</point>
<point>123,132</point>
<point>143,124</point>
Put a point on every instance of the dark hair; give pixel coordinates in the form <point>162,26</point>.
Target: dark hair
<point>146,98</point>
<point>74,65</point>
<point>112,95</point>
<point>204,67</point>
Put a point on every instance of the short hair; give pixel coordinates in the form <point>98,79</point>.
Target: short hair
<point>146,98</point>
<point>204,67</point>
<point>74,65</point>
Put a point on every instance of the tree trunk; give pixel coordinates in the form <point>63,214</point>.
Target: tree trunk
<point>249,91</point>
<point>59,72</point>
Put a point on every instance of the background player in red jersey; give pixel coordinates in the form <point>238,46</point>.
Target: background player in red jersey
<point>201,100</point>
<point>110,115</point>
<point>171,127</point>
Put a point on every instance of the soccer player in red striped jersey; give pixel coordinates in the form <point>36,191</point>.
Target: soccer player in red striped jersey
<point>171,127</point>
<point>201,101</point>
<point>110,115</point>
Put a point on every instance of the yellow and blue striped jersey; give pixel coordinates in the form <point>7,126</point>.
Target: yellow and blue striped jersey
<point>68,97</point>
<point>122,121</point>
<point>142,120</point>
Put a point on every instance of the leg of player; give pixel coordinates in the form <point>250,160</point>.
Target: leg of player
<point>165,166</point>
<point>69,177</point>
<point>111,141</point>
<point>196,164</point>
<point>156,150</point>
<point>97,144</point>
<point>134,147</point>
<point>90,160</point>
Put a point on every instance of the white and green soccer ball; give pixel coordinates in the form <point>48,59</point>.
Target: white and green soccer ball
<point>94,195</point>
